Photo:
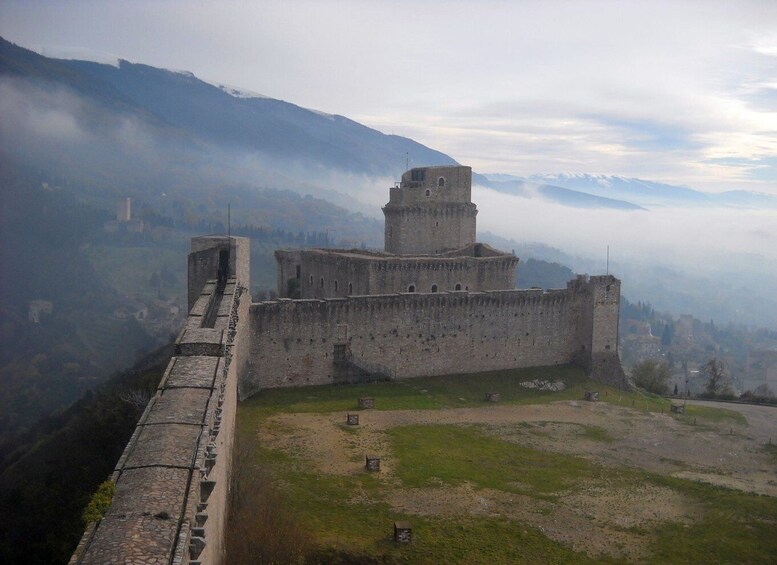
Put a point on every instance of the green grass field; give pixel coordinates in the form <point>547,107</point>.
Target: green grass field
<point>347,517</point>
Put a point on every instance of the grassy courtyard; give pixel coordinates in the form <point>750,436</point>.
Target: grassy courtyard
<point>540,477</point>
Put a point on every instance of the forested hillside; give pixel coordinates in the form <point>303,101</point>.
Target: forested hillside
<point>48,474</point>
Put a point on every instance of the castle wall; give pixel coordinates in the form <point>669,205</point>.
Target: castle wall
<point>333,274</point>
<point>469,273</point>
<point>411,335</point>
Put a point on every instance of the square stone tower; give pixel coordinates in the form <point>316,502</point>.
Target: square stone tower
<point>430,211</point>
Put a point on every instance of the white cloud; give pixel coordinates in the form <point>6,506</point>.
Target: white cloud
<point>694,238</point>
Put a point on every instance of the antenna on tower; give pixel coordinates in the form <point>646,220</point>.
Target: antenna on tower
<point>229,220</point>
<point>608,259</point>
<point>407,160</point>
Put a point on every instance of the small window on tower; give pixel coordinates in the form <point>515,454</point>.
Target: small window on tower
<point>428,192</point>
<point>434,288</point>
<point>441,182</point>
<point>411,288</point>
<point>322,282</point>
<point>350,288</point>
<point>458,286</point>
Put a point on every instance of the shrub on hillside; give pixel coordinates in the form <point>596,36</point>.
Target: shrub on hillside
<point>651,375</point>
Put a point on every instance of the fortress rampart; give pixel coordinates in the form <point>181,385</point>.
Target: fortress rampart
<point>300,342</point>
<point>172,481</point>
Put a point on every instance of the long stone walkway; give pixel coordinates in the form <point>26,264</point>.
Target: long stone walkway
<point>170,495</point>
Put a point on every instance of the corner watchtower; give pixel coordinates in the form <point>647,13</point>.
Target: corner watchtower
<point>430,211</point>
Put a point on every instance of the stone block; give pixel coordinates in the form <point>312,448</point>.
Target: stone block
<point>493,397</point>
<point>678,408</point>
<point>366,402</point>
<point>193,372</point>
<point>372,463</point>
<point>179,406</point>
<point>403,533</point>
<point>168,445</point>
<point>352,419</point>
<point>591,395</point>
<point>202,341</point>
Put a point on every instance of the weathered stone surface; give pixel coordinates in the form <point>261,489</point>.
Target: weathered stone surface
<point>193,372</point>
<point>200,307</point>
<point>171,445</point>
<point>180,405</point>
<point>132,540</point>
<point>193,322</point>
<point>409,335</point>
<point>142,521</point>
<point>151,490</point>
<point>200,341</point>
<point>225,306</point>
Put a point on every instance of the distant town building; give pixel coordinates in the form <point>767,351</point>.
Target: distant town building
<point>124,210</point>
<point>124,221</point>
<point>132,309</point>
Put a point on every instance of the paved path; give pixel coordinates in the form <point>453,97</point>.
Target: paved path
<point>762,420</point>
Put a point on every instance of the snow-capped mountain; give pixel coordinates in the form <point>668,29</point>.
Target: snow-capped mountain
<point>641,192</point>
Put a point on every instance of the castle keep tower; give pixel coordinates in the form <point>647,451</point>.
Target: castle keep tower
<point>430,247</point>
<point>430,211</point>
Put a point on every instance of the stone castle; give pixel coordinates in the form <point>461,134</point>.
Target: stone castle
<point>435,302</point>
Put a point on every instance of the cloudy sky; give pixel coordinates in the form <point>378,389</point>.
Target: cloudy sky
<point>682,92</point>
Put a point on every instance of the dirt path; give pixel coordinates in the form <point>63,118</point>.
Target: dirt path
<point>595,519</point>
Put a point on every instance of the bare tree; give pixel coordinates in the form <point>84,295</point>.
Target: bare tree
<point>718,382</point>
<point>137,398</point>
